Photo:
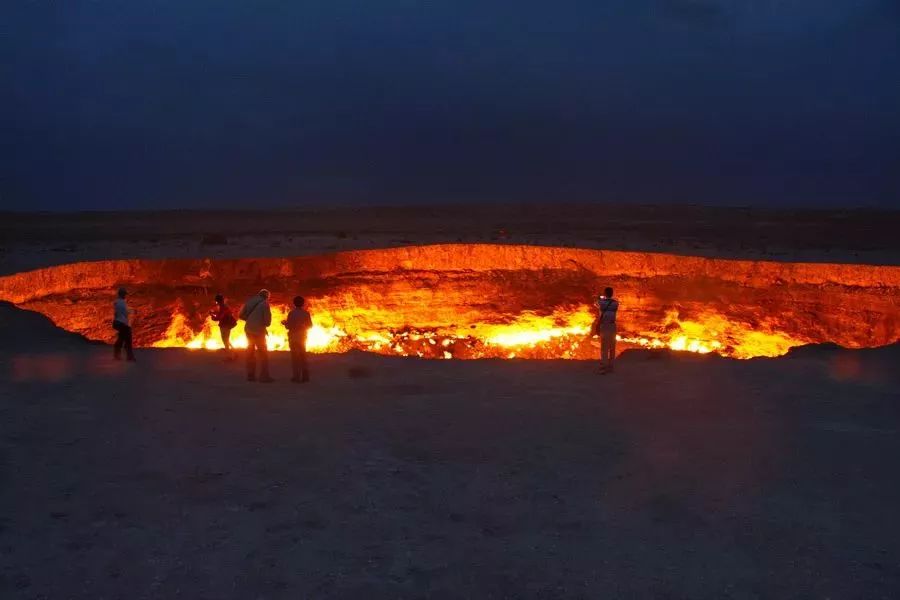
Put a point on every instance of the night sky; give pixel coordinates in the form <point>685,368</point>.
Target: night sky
<point>226,103</point>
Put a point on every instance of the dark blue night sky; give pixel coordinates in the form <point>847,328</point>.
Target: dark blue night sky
<point>206,103</point>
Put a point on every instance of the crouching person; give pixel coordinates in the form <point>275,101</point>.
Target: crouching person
<point>298,324</point>
<point>257,317</point>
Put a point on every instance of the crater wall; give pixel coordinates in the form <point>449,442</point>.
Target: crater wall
<point>747,308</point>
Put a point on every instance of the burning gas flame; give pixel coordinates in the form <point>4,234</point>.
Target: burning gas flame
<point>562,334</point>
<point>180,335</point>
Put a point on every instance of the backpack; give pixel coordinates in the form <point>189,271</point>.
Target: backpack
<point>228,321</point>
<point>599,320</point>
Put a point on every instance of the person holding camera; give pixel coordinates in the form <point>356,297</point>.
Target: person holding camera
<point>606,329</point>
<point>298,324</point>
<point>221,314</point>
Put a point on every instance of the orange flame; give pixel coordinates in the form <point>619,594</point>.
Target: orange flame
<point>561,334</point>
<point>180,335</point>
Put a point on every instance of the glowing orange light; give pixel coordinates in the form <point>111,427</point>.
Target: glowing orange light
<point>554,335</point>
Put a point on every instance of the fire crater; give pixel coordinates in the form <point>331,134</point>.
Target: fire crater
<point>480,301</point>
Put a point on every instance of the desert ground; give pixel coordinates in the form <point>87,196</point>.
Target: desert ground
<point>34,240</point>
<point>679,476</point>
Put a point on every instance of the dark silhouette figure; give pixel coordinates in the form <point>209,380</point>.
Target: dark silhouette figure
<point>257,317</point>
<point>221,314</point>
<point>298,324</point>
<point>606,329</point>
<point>122,325</point>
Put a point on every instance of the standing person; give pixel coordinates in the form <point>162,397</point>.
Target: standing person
<point>221,314</point>
<point>606,329</point>
<point>298,324</point>
<point>257,317</point>
<point>122,325</point>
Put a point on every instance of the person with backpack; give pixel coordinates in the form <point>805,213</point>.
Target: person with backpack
<point>606,329</point>
<point>122,324</point>
<point>221,314</point>
<point>257,317</point>
<point>298,324</point>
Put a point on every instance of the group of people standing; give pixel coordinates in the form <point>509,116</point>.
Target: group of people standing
<point>257,317</point>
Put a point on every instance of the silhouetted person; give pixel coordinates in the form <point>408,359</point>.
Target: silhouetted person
<point>606,329</point>
<point>221,314</point>
<point>298,324</point>
<point>257,317</point>
<point>122,325</point>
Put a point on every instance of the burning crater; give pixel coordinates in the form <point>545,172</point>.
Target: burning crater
<point>474,301</point>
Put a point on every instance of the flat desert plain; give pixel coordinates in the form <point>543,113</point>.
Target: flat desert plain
<point>680,476</point>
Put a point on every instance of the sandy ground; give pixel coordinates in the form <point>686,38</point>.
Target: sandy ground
<point>29,241</point>
<point>681,477</point>
<point>678,477</point>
